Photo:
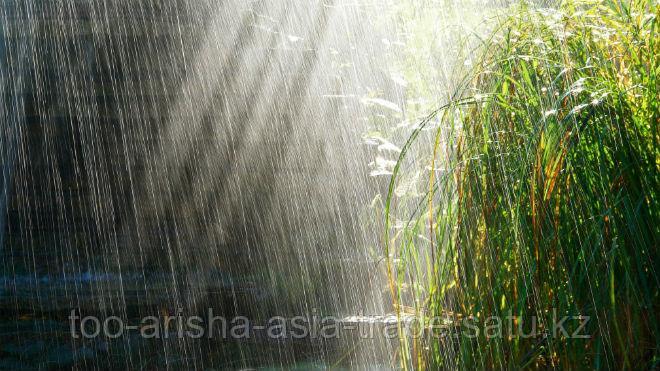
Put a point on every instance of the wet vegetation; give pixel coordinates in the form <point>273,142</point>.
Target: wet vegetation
<point>541,197</point>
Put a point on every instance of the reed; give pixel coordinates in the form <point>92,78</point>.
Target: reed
<point>542,197</point>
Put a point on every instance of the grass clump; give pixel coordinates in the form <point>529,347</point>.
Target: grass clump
<point>542,198</point>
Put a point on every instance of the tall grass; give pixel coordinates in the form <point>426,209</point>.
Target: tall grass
<point>542,197</point>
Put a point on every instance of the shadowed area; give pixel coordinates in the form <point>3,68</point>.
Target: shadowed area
<point>174,155</point>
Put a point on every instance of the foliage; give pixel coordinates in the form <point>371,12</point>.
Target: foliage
<point>542,195</point>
